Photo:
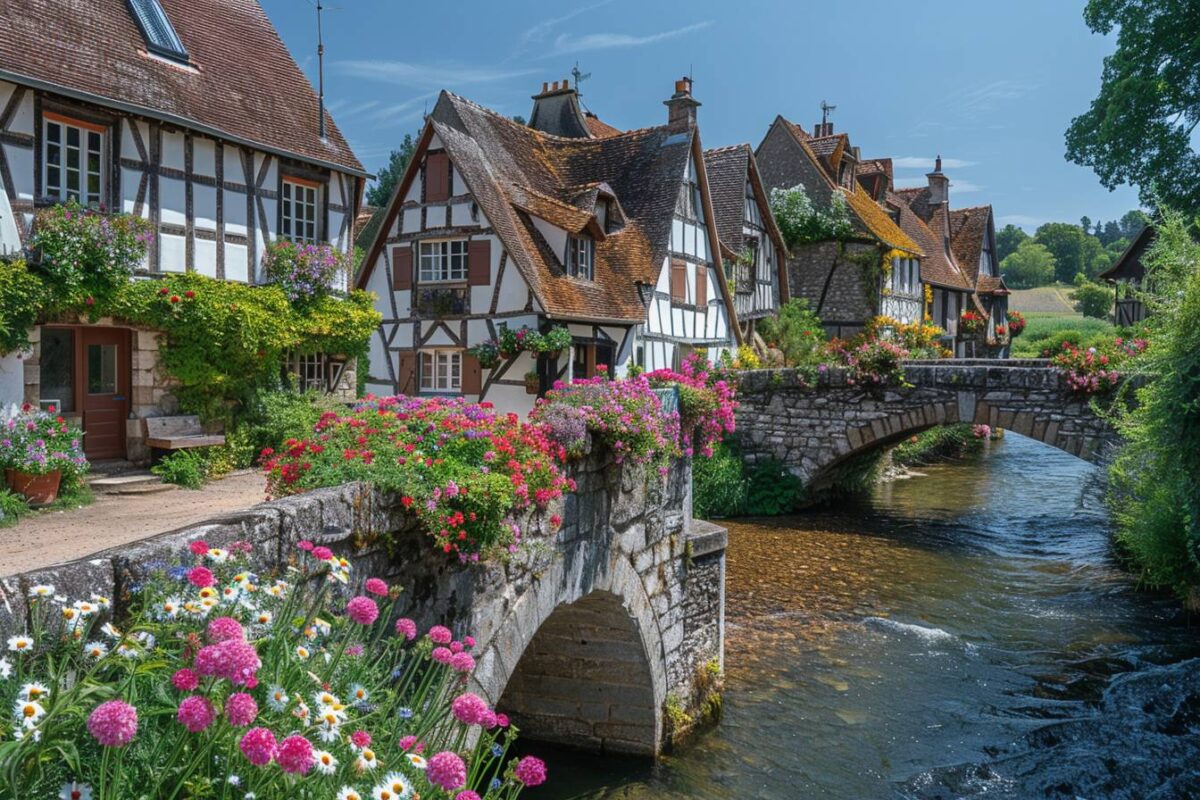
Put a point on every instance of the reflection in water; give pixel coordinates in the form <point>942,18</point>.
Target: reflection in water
<point>962,634</point>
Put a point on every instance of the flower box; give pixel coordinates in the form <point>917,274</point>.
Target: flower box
<point>533,383</point>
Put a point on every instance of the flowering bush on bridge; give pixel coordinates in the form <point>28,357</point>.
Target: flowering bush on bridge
<point>1096,370</point>
<point>464,471</point>
<point>225,684</point>
<point>706,402</point>
<point>871,363</point>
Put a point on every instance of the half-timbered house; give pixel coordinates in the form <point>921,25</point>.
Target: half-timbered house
<point>500,225</point>
<point>189,113</point>
<point>875,271</point>
<point>752,247</point>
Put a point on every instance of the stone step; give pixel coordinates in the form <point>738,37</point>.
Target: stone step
<point>140,482</point>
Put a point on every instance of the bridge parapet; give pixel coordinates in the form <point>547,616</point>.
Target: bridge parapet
<point>812,429</point>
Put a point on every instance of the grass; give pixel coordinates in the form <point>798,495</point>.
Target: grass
<point>1053,299</point>
<point>943,443</point>
<point>1048,329</point>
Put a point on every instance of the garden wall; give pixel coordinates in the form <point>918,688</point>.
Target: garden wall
<point>627,542</point>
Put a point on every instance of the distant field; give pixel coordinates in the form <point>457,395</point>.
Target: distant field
<point>1044,299</point>
<point>1045,329</point>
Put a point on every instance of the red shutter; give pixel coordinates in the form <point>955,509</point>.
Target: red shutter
<point>679,280</point>
<point>472,375</point>
<point>701,285</point>
<point>479,262</point>
<point>402,267</point>
<point>437,177</point>
<point>406,379</point>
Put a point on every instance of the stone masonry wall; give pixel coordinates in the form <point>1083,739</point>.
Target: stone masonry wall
<point>847,302</point>
<point>813,429</point>
<point>627,542</point>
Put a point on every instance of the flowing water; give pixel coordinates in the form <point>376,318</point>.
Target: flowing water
<point>966,634</point>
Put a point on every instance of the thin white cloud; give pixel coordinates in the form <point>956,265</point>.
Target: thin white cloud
<point>1020,220</point>
<point>541,30</point>
<point>920,162</point>
<point>566,44</point>
<point>413,108</point>
<point>425,76</point>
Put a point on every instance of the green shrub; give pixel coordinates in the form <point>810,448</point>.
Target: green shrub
<point>940,443</point>
<point>797,332</point>
<point>719,484</point>
<point>802,221</point>
<point>12,507</point>
<point>273,416</point>
<point>1048,332</point>
<point>20,300</point>
<point>772,490</point>
<point>1093,300</point>
<point>183,468</point>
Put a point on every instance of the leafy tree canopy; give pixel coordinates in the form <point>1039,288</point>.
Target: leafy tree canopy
<point>1008,239</point>
<point>1066,243</point>
<point>1030,265</point>
<point>1138,129</point>
<point>390,176</point>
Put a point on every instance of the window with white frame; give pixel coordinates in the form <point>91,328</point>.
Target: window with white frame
<point>299,205</point>
<point>441,370</point>
<point>73,161</point>
<point>444,261</point>
<point>581,257</point>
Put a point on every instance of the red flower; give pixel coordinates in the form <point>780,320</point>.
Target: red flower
<point>189,294</point>
<point>174,298</point>
<point>91,301</point>
<point>406,501</point>
<point>164,291</point>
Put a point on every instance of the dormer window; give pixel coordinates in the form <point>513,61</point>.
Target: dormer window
<point>581,258</point>
<point>160,35</point>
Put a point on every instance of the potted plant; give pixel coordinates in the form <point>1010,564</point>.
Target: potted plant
<point>555,341</point>
<point>38,450</point>
<point>1016,323</point>
<point>487,353</point>
<point>533,382</point>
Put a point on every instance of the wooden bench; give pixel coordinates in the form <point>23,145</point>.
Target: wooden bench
<point>179,433</point>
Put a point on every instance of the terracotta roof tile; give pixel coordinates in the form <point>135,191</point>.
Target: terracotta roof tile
<point>879,223</point>
<point>968,230</point>
<point>938,266</point>
<point>599,128</point>
<point>728,169</point>
<point>244,86</point>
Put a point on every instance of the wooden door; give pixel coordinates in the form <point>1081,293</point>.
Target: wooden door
<point>104,386</point>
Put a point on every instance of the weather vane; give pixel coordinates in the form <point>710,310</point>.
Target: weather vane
<point>580,77</point>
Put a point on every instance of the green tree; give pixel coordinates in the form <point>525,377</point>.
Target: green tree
<point>390,176</point>
<point>1066,242</point>
<point>1085,222</point>
<point>1112,232</point>
<point>1138,129</point>
<point>1030,265</point>
<point>1133,222</point>
<point>1093,300</point>
<point>1008,239</point>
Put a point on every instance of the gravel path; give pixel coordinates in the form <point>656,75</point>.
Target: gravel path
<point>51,538</point>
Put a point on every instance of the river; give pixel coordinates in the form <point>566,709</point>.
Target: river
<point>966,634</point>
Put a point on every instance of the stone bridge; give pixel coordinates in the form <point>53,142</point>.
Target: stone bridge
<point>584,638</point>
<point>815,429</point>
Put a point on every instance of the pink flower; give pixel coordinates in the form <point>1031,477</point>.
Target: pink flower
<point>447,770</point>
<point>466,795</point>
<point>295,755</point>
<point>406,742</point>
<point>362,610</point>
<point>531,771</point>
<point>235,661</point>
<point>360,739</point>
<point>441,655</point>
<point>322,553</point>
<point>198,547</point>
<point>113,723</point>
<point>258,746</point>
<point>201,577</point>
<point>185,680</point>
<point>440,634</point>
<point>462,662</point>
<point>225,628</point>
<point>196,713</point>
<point>469,709</point>
<point>240,710</point>
<point>377,587</point>
<point>502,720</point>
<point>305,545</point>
<point>469,641</point>
<point>456,647</point>
<point>407,628</point>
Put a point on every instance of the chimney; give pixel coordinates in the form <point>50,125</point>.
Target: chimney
<point>681,108</point>
<point>939,184</point>
<point>556,110</point>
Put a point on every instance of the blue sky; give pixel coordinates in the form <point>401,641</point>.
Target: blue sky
<point>991,87</point>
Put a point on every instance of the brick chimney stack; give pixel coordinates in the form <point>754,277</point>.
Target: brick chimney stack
<point>681,108</point>
<point>939,184</point>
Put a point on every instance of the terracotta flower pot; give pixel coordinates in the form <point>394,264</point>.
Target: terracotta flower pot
<point>39,490</point>
<point>532,384</point>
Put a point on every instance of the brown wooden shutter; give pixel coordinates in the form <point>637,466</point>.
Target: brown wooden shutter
<point>701,285</point>
<point>437,177</point>
<point>679,280</point>
<point>406,379</point>
<point>472,375</point>
<point>402,267</point>
<point>479,262</point>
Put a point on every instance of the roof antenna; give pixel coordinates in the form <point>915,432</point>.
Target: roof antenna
<point>579,77</point>
<point>825,109</point>
<point>320,76</point>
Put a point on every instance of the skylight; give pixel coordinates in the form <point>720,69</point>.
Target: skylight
<point>161,38</point>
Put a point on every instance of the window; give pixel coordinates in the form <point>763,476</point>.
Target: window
<point>312,370</point>
<point>444,262</point>
<point>441,370</point>
<point>299,210</point>
<point>581,258</point>
<point>58,368</point>
<point>102,369</point>
<point>160,35</point>
<point>74,163</point>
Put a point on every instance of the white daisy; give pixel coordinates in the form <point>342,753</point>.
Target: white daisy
<point>415,760</point>
<point>233,780</point>
<point>328,733</point>
<point>28,711</point>
<point>75,791</point>
<point>170,608</point>
<point>302,652</point>
<point>95,650</point>
<point>33,691</point>
<point>42,590</point>
<point>20,644</point>
<point>110,630</point>
<point>325,762</point>
<point>366,760</point>
<point>217,555</point>
<point>325,699</point>
<point>277,698</point>
<point>101,601</point>
<point>348,793</point>
<point>263,617</point>
<point>86,607</point>
<point>230,594</point>
<point>382,792</point>
<point>398,785</point>
<point>359,693</point>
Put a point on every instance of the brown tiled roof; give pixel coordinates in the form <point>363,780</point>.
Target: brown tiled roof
<point>879,223</point>
<point>937,267</point>
<point>599,128</point>
<point>870,166</point>
<point>512,169</point>
<point>798,131</point>
<point>991,284</point>
<point>243,84</point>
<point>827,145</point>
<point>727,169</point>
<point>968,230</point>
